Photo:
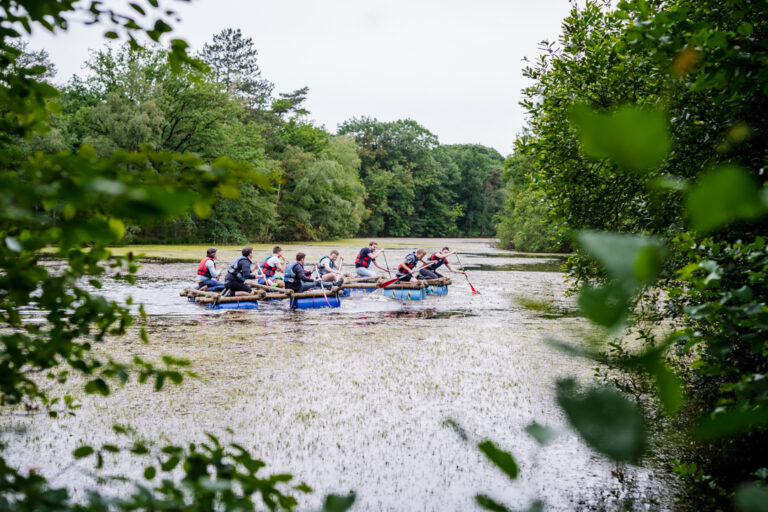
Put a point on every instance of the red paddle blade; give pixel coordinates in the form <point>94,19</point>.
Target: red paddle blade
<point>473,289</point>
<point>387,283</point>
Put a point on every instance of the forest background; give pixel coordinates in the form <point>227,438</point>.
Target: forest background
<point>371,178</point>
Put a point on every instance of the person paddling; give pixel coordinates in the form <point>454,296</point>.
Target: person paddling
<point>207,274</point>
<point>298,279</point>
<point>328,269</point>
<point>237,273</point>
<point>437,259</point>
<point>271,265</point>
<point>364,259</point>
<point>406,269</point>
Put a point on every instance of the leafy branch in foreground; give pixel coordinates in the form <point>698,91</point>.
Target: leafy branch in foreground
<point>74,205</point>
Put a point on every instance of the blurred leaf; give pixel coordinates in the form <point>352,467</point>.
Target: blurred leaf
<point>540,433</point>
<point>607,306</point>
<point>723,196</point>
<point>489,503</point>
<point>634,138</point>
<point>606,420</point>
<point>82,451</point>
<point>150,472</point>
<point>450,423</point>
<point>503,460</point>
<point>732,422</point>
<point>625,257</point>
<point>751,497</point>
<point>97,386</point>
<point>335,503</point>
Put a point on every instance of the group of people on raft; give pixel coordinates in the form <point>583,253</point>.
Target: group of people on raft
<point>275,270</point>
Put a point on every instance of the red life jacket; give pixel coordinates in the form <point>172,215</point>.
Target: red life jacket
<point>404,269</point>
<point>363,262</point>
<point>268,271</point>
<point>202,270</point>
<point>438,262</point>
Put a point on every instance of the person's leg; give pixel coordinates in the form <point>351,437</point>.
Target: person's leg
<point>308,286</point>
<point>329,277</point>
<point>425,273</point>
<point>405,279</point>
<point>239,289</point>
<point>365,272</point>
<point>213,285</point>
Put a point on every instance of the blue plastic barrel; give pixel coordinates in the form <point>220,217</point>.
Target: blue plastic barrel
<point>315,302</point>
<point>235,305</point>
<point>407,294</point>
<point>437,290</point>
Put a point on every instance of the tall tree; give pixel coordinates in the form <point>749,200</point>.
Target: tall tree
<point>233,59</point>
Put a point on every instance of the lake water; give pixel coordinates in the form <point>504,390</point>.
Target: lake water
<point>356,398</point>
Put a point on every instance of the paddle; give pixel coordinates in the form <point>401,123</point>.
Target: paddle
<point>393,281</point>
<point>465,274</point>
<point>323,287</point>
<point>386,262</point>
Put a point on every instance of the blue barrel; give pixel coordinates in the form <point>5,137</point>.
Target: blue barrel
<point>437,290</point>
<point>315,302</point>
<point>345,292</point>
<point>406,294</point>
<point>236,305</point>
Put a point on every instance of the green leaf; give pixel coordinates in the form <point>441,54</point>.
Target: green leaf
<point>150,472</point>
<point>503,460</point>
<point>722,196</point>
<point>634,259</point>
<point>607,306</point>
<point>751,497</point>
<point>97,386</point>
<point>606,420</point>
<point>171,463</point>
<point>732,422</point>
<point>82,451</point>
<point>636,139</point>
<point>489,503</point>
<point>336,503</point>
<point>540,433</point>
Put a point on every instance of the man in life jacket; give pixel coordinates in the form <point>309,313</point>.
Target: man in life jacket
<point>297,278</point>
<point>328,269</point>
<point>438,259</point>
<point>238,272</point>
<point>364,259</point>
<point>271,265</point>
<point>207,274</point>
<point>408,265</point>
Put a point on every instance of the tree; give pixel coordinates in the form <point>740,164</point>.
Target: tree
<point>234,62</point>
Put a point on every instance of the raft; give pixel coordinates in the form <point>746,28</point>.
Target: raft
<point>409,290</point>
<point>306,300</point>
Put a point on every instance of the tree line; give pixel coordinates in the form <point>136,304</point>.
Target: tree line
<point>370,178</point>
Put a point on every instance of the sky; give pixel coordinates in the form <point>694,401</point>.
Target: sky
<point>453,66</point>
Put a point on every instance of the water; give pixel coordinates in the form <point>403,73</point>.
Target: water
<point>356,398</point>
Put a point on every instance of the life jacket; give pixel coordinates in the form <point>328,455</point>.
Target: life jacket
<point>235,270</point>
<point>289,277</point>
<point>404,269</point>
<point>268,271</point>
<point>321,268</point>
<point>363,262</point>
<point>438,262</point>
<point>202,270</point>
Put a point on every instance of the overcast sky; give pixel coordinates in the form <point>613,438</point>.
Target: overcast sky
<point>453,66</point>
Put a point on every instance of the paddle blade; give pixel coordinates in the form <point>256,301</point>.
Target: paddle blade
<point>470,285</point>
<point>387,283</point>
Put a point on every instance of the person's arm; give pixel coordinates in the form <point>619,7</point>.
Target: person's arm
<point>449,267</point>
<point>246,268</point>
<point>376,263</point>
<point>211,269</point>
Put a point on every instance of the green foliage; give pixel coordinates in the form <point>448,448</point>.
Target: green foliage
<point>503,460</point>
<point>78,200</point>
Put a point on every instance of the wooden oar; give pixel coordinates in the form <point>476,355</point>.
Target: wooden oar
<point>323,287</point>
<point>465,274</point>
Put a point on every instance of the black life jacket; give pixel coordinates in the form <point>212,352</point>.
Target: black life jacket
<point>408,266</point>
<point>202,270</point>
<point>268,271</point>
<point>321,268</point>
<point>363,262</point>
<point>235,270</point>
<point>438,262</point>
